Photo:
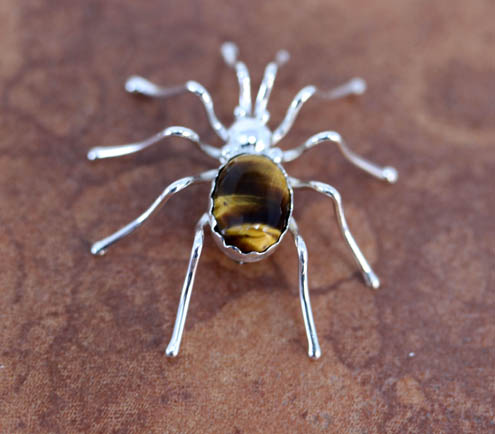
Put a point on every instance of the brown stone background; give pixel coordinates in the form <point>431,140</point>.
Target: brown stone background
<point>82,338</point>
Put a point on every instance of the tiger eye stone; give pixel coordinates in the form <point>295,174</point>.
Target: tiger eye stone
<point>251,203</point>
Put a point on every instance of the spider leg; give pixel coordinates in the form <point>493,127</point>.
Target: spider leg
<point>266,85</point>
<point>137,84</point>
<point>355,86</point>
<point>230,53</point>
<point>100,152</point>
<point>314,351</point>
<point>387,173</point>
<point>370,278</point>
<point>99,248</point>
<point>174,344</point>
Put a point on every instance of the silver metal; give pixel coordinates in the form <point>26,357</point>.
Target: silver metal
<point>355,86</point>
<point>266,86</point>
<point>140,85</point>
<point>101,152</point>
<point>173,347</point>
<point>229,53</point>
<point>264,92</point>
<point>314,350</point>
<point>370,278</point>
<point>248,134</point>
<point>100,247</point>
<point>137,84</point>
<point>388,173</point>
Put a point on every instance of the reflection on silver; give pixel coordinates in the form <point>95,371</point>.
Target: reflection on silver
<point>249,134</point>
<point>355,86</point>
<point>136,84</point>
<point>173,347</point>
<point>314,351</point>
<point>388,173</point>
<point>229,53</point>
<point>101,152</point>
<point>266,85</point>
<point>370,278</point>
<point>295,106</point>
<point>140,85</point>
<point>99,248</point>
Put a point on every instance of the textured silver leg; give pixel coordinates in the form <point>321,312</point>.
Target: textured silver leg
<point>230,53</point>
<point>388,173</point>
<point>174,344</point>
<point>266,86</point>
<point>370,278</point>
<point>99,248</point>
<point>314,350</point>
<point>117,151</point>
<point>140,85</point>
<point>355,86</point>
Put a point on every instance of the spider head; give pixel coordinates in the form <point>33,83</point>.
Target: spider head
<point>247,136</point>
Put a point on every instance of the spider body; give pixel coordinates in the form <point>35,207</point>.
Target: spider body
<point>252,204</point>
<point>251,197</point>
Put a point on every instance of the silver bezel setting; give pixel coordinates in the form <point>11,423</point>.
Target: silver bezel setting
<point>234,252</point>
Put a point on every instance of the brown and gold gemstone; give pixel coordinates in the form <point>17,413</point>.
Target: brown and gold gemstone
<point>251,203</point>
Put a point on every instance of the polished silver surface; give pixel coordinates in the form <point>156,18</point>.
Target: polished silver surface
<point>369,276</point>
<point>229,53</point>
<point>248,134</point>
<point>140,85</point>
<point>180,320</point>
<point>100,247</point>
<point>355,86</point>
<point>101,152</point>
<point>314,350</point>
<point>266,86</point>
<point>388,173</point>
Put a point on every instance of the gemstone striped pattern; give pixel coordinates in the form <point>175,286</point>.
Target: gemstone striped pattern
<point>251,203</point>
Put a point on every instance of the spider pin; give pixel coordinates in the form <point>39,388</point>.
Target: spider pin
<point>251,199</point>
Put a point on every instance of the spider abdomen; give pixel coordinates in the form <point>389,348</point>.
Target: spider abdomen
<point>251,203</point>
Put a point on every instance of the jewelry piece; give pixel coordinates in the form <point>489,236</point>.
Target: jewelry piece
<point>251,198</point>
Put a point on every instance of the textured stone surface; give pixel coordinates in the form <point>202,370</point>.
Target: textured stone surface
<point>251,203</point>
<point>82,338</point>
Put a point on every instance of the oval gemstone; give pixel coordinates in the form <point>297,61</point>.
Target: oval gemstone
<point>251,203</point>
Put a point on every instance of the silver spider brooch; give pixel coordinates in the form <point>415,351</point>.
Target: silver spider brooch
<point>251,199</point>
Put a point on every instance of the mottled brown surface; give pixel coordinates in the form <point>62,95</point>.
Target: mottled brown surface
<point>82,338</point>
<point>252,203</point>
